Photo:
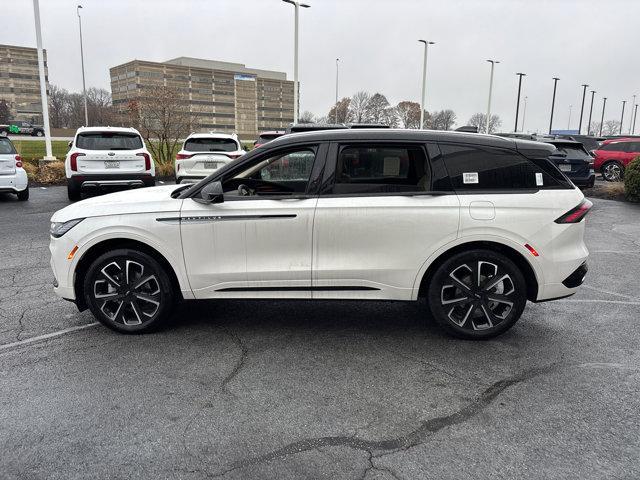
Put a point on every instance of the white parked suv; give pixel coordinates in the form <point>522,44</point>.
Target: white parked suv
<point>104,157</point>
<point>203,153</point>
<point>475,224</point>
<point>13,178</point>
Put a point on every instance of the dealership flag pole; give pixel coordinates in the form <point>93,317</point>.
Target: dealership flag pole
<point>43,84</point>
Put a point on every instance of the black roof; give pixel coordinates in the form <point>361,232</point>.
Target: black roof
<point>382,134</point>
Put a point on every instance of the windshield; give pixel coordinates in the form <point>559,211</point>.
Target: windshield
<point>211,145</point>
<point>108,141</point>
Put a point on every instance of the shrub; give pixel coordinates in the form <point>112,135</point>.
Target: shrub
<point>51,173</point>
<point>632,180</point>
<point>164,169</point>
<point>31,169</point>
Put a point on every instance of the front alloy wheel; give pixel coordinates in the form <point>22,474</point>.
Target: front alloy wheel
<point>478,294</point>
<point>612,172</point>
<point>128,291</point>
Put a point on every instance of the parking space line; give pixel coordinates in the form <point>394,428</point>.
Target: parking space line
<point>588,300</point>
<point>46,336</point>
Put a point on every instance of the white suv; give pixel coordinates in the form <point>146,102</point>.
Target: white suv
<point>101,157</point>
<point>203,153</point>
<point>475,224</point>
<point>13,178</point>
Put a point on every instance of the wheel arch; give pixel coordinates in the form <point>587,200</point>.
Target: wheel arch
<point>111,244</point>
<point>516,257</point>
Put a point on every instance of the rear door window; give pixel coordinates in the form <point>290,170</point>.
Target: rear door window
<point>211,145</point>
<point>480,168</point>
<point>108,141</point>
<point>614,147</point>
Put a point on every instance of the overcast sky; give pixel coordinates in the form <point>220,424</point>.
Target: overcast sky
<point>580,41</point>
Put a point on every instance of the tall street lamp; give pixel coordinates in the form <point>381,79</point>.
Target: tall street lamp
<point>297,6</point>
<point>524,112</point>
<point>424,80</point>
<point>624,102</point>
<point>604,104</point>
<point>631,117</point>
<point>584,93</point>
<point>569,122</point>
<point>635,113</point>
<point>553,102</point>
<point>593,92</point>
<point>335,115</point>
<point>493,64</point>
<point>84,88</point>
<point>43,83</point>
<point>520,75</point>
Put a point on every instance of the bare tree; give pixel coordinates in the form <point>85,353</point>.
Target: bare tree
<point>343,111</point>
<point>5,111</point>
<point>99,107</point>
<point>163,118</point>
<point>58,106</point>
<point>442,120</point>
<point>358,106</point>
<point>611,127</point>
<point>480,120</point>
<point>306,117</point>
<point>408,114</point>
<point>376,108</point>
<point>594,128</point>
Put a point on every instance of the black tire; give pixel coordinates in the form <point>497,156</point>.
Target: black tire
<point>23,196</point>
<point>119,297</point>
<point>613,171</point>
<point>4,133</point>
<point>39,133</point>
<point>464,308</point>
<point>73,191</point>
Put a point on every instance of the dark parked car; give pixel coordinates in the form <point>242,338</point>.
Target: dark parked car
<point>574,161</point>
<point>19,127</point>
<point>266,137</point>
<point>590,142</point>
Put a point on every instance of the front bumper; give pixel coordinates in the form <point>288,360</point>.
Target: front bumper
<point>116,180</point>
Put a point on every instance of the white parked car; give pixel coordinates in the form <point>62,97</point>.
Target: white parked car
<point>13,178</point>
<point>203,153</point>
<point>107,157</point>
<point>476,224</point>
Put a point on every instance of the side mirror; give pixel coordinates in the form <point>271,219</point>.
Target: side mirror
<point>212,193</point>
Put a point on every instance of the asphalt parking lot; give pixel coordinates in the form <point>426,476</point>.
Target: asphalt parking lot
<point>295,389</point>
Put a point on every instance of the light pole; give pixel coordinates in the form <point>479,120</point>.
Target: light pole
<point>84,88</point>
<point>553,102</point>
<point>631,117</point>
<point>584,93</point>
<point>424,80</point>
<point>624,102</point>
<point>635,113</point>
<point>569,122</point>
<point>335,115</point>
<point>604,104</point>
<point>593,92</point>
<point>493,64</point>
<point>520,75</point>
<point>43,84</point>
<point>297,6</point>
<point>524,112</point>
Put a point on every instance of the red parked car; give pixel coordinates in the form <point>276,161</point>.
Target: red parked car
<point>613,156</point>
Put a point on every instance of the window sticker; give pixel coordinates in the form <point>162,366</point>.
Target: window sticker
<point>470,177</point>
<point>391,167</point>
<point>539,181</point>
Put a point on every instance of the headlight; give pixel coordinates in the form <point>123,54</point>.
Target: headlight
<point>58,229</point>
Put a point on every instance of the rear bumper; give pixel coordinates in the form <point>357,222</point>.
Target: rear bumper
<point>115,180</point>
<point>14,183</point>
<point>583,179</point>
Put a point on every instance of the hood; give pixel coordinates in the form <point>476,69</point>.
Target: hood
<point>141,200</point>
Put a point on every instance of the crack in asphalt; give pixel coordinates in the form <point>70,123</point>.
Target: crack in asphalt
<point>239,362</point>
<point>390,445</point>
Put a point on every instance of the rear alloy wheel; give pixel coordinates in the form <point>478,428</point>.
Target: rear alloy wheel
<point>477,294</point>
<point>613,171</point>
<point>128,291</point>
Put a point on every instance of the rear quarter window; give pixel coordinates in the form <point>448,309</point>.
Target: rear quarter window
<point>482,168</point>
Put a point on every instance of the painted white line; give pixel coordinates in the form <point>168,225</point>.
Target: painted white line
<point>47,336</point>
<point>621,295</point>
<point>618,302</point>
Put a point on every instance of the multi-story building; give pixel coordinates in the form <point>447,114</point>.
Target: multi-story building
<point>221,96</point>
<point>20,82</point>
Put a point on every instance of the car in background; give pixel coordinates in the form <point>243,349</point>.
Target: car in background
<point>13,178</point>
<point>574,161</point>
<point>589,142</point>
<point>312,127</point>
<point>20,127</point>
<point>613,156</point>
<point>204,153</point>
<point>106,158</point>
<point>266,137</point>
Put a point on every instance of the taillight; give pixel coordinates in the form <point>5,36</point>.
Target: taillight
<point>576,214</point>
<point>182,156</point>
<point>18,161</point>
<point>74,161</point>
<point>147,160</point>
